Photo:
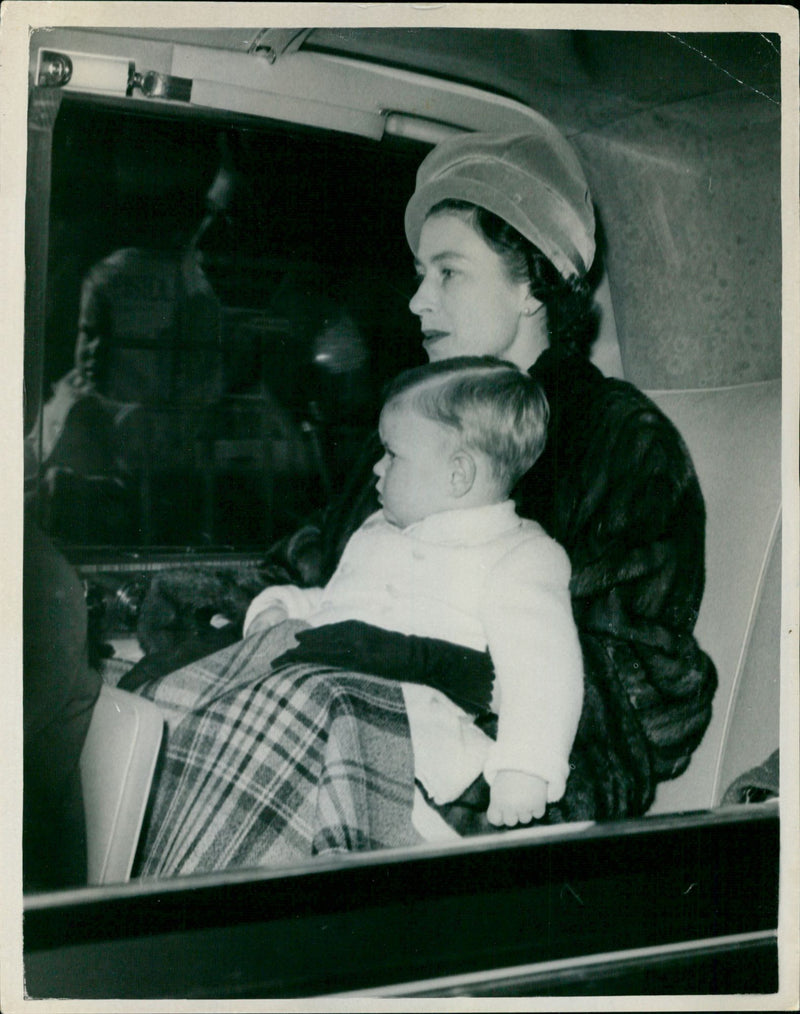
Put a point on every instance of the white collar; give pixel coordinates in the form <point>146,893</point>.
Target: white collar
<point>466,525</point>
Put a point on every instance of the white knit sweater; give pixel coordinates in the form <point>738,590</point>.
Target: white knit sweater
<point>480,577</point>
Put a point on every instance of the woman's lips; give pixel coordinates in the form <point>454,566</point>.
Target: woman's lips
<point>431,337</point>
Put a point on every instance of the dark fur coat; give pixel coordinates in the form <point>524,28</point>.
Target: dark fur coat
<point>615,485</point>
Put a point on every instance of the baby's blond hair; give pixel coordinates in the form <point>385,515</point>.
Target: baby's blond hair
<point>496,408</point>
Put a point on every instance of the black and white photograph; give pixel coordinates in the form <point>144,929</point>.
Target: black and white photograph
<point>279,303</point>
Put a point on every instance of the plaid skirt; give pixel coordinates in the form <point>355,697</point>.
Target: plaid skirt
<point>271,767</point>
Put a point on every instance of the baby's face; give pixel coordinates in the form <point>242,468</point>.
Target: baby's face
<point>91,348</point>
<point>414,472</point>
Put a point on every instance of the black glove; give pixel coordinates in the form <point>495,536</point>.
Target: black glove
<point>463,674</point>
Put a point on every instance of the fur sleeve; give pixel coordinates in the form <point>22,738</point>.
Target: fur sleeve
<point>638,575</point>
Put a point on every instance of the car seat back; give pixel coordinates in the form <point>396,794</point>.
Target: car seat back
<point>734,437</point>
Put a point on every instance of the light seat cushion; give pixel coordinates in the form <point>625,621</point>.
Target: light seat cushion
<point>734,437</point>
<point>117,765</point>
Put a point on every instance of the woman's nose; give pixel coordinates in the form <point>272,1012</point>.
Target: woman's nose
<point>380,467</point>
<point>421,300</point>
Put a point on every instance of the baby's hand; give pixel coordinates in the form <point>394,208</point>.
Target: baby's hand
<point>516,798</point>
<point>267,618</point>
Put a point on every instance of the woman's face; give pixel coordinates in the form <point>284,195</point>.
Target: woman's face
<point>467,303</point>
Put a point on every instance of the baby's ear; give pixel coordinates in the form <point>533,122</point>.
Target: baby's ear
<point>463,470</point>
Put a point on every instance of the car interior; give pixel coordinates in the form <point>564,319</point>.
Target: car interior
<point>285,157</point>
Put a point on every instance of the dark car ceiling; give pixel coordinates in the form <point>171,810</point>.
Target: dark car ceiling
<point>579,79</point>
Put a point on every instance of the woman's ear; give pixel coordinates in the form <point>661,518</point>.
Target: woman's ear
<point>463,470</point>
<point>531,306</point>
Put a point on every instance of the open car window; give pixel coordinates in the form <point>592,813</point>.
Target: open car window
<point>231,276</point>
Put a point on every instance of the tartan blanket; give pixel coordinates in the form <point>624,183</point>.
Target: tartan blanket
<point>272,767</point>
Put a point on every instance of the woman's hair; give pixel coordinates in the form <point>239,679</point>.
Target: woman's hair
<point>572,317</point>
<point>496,408</point>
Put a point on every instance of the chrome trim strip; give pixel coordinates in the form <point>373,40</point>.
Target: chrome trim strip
<point>424,987</point>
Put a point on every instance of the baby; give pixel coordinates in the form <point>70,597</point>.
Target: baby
<point>448,557</point>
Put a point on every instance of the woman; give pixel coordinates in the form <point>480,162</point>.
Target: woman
<point>502,229</point>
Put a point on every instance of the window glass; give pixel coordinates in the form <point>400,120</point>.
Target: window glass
<point>223,305</point>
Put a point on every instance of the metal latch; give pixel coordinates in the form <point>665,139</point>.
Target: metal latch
<point>158,86</point>
<point>109,75</point>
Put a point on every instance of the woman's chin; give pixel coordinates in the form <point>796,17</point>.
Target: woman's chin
<point>436,349</point>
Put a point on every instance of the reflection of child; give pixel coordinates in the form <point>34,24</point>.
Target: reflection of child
<point>448,557</point>
<point>85,449</point>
